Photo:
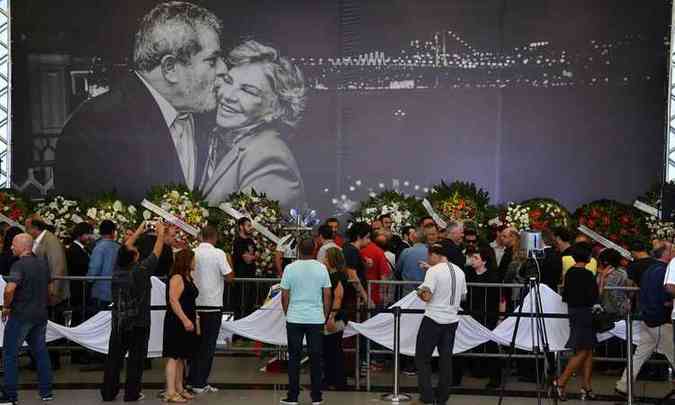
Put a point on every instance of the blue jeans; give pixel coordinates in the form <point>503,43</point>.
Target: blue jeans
<point>295,333</point>
<point>32,332</point>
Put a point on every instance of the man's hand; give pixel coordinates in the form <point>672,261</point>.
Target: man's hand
<point>5,314</point>
<point>423,265</point>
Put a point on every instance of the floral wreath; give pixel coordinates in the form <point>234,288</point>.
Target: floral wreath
<point>61,213</point>
<point>183,203</point>
<point>462,202</point>
<point>108,207</point>
<point>404,210</point>
<point>618,222</point>
<point>658,229</point>
<point>14,206</point>
<point>537,214</point>
<point>260,209</point>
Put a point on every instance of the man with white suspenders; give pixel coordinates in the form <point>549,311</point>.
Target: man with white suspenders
<point>443,290</point>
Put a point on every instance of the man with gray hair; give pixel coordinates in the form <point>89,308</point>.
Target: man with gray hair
<point>27,294</point>
<point>148,116</point>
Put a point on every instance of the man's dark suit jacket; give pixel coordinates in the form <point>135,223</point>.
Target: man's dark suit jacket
<point>78,265</point>
<point>119,141</point>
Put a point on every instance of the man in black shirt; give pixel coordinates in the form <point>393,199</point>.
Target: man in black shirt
<point>244,256</point>
<point>27,294</point>
<point>641,260</point>
<point>130,327</point>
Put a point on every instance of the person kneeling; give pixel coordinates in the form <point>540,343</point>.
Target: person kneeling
<point>443,289</point>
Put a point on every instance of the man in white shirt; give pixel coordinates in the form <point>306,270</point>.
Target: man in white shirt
<point>212,269</point>
<point>443,290</point>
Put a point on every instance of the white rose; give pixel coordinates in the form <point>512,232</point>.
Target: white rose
<point>53,205</point>
<point>132,210</point>
<point>91,213</point>
<point>117,205</point>
<point>174,194</point>
<point>147,215</point>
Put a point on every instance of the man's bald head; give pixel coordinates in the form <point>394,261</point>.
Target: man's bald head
<point>22,244</point>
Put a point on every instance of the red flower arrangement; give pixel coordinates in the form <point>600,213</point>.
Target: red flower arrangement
<point>616,221</point>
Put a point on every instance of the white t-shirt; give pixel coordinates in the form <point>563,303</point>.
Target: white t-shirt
<point>670,279</point>
<point>321,254</point>
<point>448,285</point>
<point>211,266</point>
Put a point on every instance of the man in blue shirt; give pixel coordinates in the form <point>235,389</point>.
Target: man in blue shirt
<point>408,265</point>
<point>101,264</point>
<point>656,330</point>
<point>306,299</point>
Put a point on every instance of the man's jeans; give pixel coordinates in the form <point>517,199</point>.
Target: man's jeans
<point>32,332</point>
<point>295,333</point>
<point>200,365</point>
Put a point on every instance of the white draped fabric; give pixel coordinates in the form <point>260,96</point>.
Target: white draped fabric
<point>267,325</point>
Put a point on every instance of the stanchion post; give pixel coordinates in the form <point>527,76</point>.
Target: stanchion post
<point>396,396</point>
<point>629,357</point>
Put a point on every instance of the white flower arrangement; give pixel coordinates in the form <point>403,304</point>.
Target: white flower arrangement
<point>60,213</point>
<point>184,205</point>
<point>124,216</point>
<point>660,229</point>
<point>263,211</point>
<point>393,203</point>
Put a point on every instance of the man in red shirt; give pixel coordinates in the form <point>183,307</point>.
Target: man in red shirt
<point>377,266</point>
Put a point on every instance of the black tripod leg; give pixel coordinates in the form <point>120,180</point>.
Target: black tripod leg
<point>545,343</point>
<point>512,345</point>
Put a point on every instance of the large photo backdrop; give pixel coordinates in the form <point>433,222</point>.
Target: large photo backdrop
<point>525,98</point>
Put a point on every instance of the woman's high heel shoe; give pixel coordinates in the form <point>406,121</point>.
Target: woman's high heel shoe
<point>559,391</point>
<point>587,395</point>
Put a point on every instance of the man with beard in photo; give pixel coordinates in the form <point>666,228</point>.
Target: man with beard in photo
<point>142,132</point>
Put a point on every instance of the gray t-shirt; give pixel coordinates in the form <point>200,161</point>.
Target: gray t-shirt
<point>32,277</point>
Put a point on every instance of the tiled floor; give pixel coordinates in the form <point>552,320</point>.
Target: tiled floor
<point>242,382</point>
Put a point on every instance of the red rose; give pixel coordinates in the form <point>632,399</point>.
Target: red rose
<point>605,220</point>
<point>595,213</point>
<point>625,219</point>
<point>591,223</point>
<point>582,221</point>
<point>614,237</point>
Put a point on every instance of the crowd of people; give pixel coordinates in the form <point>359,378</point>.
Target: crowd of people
<point>323,288</point>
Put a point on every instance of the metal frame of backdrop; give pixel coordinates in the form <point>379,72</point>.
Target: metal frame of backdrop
<point>5,96</point>
<point>670,124</point>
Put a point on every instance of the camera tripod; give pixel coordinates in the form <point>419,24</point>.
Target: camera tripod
<point>539,336</point>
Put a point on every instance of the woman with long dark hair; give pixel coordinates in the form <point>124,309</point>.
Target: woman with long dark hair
<point>180,325</point>
<point>333,354</point>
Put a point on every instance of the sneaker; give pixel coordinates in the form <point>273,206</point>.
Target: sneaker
<point>287,401</point>
<point>47,398</point>
<point>319,402</point>
<point>204,390</point>
<point>140,398</point>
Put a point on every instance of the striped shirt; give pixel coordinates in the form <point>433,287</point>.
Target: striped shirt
<point>447,284</point>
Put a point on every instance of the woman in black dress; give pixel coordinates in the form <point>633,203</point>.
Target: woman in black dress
<point>179,325</point>
<point>580,294</point>
<point>333,353</point>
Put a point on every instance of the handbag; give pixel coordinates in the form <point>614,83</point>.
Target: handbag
<point>603,321</point>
